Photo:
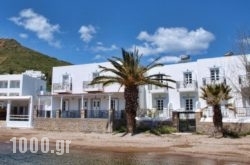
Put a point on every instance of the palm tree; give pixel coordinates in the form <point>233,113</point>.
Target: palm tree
<point>215,94</point>
<point>128,72</point>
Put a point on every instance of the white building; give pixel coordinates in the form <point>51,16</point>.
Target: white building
<point>71,92</point>
<point>18,95</point>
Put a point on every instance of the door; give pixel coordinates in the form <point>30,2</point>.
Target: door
<point>65,105</point>
<point>189,104</point>
<point>114,106</point>
<point>187,78</point>
<point>186,121</point>
<point>96,106</point>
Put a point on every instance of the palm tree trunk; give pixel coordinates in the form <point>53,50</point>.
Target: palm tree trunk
<point>131,105</point>
<point>217,119</point>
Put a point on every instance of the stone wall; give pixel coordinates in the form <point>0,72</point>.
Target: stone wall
<point>2,123</point>
<point>208,127</point>
<point>72,124</point>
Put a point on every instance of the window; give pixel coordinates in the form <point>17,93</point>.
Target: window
<point>41,88</point>
<point>14,94</point>
<point>159,77</point>
<point>214,74</point>
<point>3,84</point>
<point>189,104</point>
<point>188,78</point>
<point>159,104</point>
<point>15,84</point>
<point>65,79</point>
<point>95,74</point>
<point>3,94</point>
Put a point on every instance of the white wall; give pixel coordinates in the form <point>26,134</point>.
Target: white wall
<point>230,67</point>
<point>80,73</point>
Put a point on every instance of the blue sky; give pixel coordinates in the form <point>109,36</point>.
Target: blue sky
<point>87,31</point>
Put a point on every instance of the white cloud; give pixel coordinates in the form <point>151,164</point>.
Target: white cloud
<point>167,59</point>
<point>174,40</point>
<point>102,48</point>
<point>87,33</point>
<point>38,24</point>
<point>23,35</point>
<point>98,57</point>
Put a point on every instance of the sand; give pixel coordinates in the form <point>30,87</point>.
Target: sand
<point>179,143</point>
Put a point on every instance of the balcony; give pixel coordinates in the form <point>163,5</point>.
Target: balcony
<point>92,88</point>
<point>244,81</point>
<point>62,88</point>
<point>156,89</point>
<point>213,80</point>
<point>183,86</point>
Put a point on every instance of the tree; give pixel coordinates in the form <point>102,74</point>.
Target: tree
<point>214,95</point>
<point>243,44</point>
<point>130,73</point>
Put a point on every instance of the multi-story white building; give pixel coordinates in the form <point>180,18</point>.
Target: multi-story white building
<point>18,96</point>
<point>71,92</point>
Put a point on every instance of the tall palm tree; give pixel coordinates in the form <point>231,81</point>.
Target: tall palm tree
<point>130,73</point>
<point>214,95</point>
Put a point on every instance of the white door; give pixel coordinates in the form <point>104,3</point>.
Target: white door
<point>114,104</point>
<point>96,104</point>
<point>65,105</point>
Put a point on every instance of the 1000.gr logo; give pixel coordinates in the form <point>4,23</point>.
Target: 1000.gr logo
<point>34,145</point>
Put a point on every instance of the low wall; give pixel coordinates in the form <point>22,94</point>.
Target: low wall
<point>205,127</point>
<point>2,123</point>
<point>71,124</point>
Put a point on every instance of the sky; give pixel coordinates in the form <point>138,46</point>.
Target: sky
<point>88,31</point>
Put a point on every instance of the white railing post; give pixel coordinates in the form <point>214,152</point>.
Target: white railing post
<point>8,110</point>
<point>30,111</point>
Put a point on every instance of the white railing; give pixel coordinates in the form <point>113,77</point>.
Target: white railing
<point>19,118</point>
<point>213,80</point>
<point>59,87</point>
<point>186,85</point>
<point>226,113</point>
<point>92,88</point>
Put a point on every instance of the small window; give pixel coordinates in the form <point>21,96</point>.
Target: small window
<point>159,77</point>
<point>215,74</point>
<point>14,94</point>
<point>189,104</point>
<point>3,94</point>
<point>188,77</point>
<point>41,88</point>
<point>95,74</point>
<point>3,84</point>
<point>15,84</point>
<point>65,79</point>
<point>159,103</point>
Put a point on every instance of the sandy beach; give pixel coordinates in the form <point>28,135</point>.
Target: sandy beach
<point>179,143</point>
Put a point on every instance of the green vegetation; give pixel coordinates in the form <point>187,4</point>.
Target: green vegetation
<point>214,95</point>
<point>15,59</point>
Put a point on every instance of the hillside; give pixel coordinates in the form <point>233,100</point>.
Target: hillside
<point>15,58</point>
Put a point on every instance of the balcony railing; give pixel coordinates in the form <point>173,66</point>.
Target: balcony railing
<point>244,81</point>
<point>213,80</point>
<point>183,86</point>
<point>226,113</point>
<point>104,114</point>
<point>62,88</point>
<point>92,88</point>
<point>157,89</point>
